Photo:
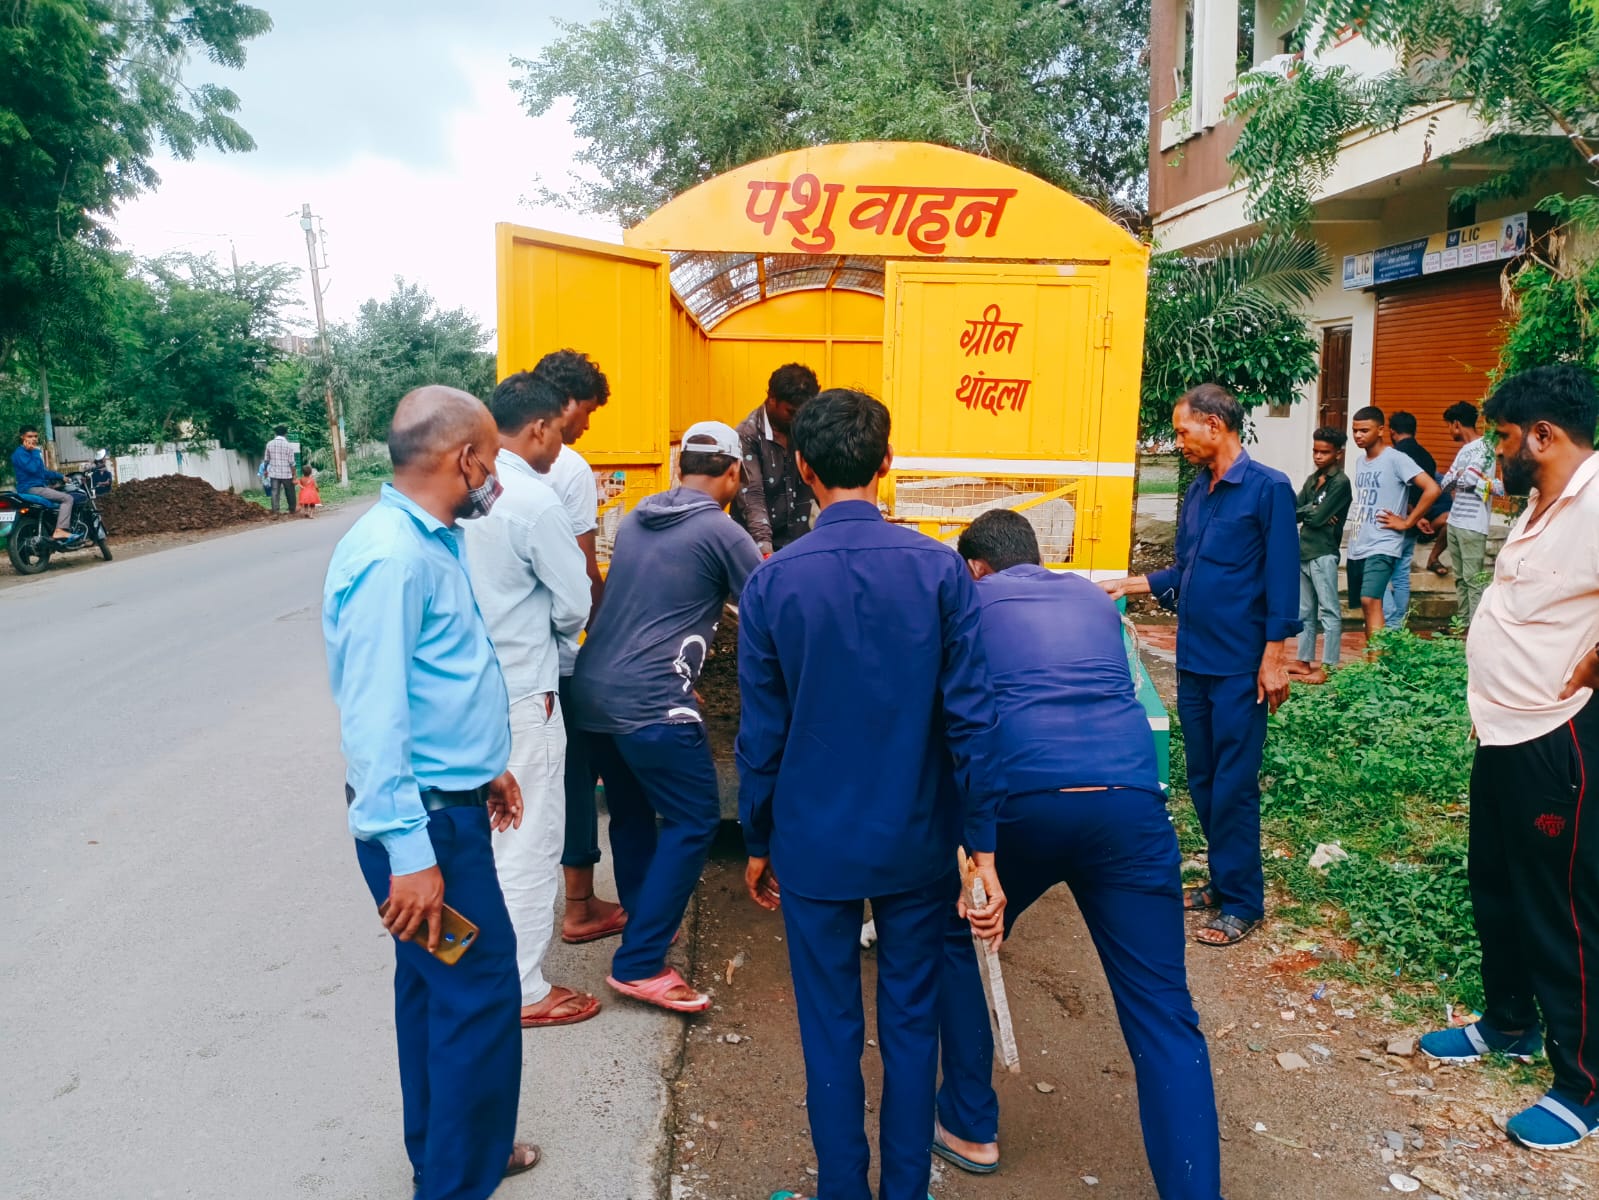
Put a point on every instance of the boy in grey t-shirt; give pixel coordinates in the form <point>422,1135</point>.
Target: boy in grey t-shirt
<point>1378,521</point>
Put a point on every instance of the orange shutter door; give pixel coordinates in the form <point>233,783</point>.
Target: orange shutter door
<point>1435,343</point>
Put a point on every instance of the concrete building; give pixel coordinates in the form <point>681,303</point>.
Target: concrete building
<point>1413,318</point>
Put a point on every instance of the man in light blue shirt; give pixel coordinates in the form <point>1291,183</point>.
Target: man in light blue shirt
<point>531,583</point>
<point>426,738</point>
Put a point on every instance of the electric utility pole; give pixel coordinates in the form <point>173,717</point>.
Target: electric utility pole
<point>335,419</point>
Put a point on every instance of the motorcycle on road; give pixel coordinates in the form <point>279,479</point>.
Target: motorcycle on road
<point>28,524</point>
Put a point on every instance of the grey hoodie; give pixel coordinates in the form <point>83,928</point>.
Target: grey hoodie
<point>678,557</point>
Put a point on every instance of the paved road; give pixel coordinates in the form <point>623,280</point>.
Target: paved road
<point>194,992</point>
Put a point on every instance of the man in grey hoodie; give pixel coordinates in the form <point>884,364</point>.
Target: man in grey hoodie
<point>678,556</point>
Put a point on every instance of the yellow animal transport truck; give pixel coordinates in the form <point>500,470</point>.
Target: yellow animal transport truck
<point>1000,318</point>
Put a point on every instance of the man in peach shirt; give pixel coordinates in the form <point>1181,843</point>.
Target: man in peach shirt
<point>1534,667</point>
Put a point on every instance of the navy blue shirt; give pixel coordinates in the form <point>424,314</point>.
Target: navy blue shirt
<point>30,469</point>
<point>1236,583</point>
<point>1069,714</point>
<point>862,681</point>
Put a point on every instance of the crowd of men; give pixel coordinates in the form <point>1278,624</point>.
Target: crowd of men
<point>900,700</point>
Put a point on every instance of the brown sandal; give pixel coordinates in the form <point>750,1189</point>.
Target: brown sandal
<point>587,1006</point>
<point>524,1157</point>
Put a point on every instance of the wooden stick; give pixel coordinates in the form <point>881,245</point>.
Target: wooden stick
<point>978,896</point>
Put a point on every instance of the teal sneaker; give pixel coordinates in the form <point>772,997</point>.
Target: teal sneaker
<point>1468,1043</point>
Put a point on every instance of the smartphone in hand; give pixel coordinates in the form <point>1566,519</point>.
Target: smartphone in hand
<point>455,938</point>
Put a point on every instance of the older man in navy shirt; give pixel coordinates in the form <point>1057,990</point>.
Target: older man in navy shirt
<point>1084,808</point>
<point>861,678</point>
<point>1235,587</point>
<point>425,730</point>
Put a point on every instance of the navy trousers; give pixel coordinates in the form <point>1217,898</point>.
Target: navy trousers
<point>1224,737</point>
<point>661,771</point>
<point>1117,852</point>
<point>582,845</point>
<point>459,1026</point>
<point>825,957</point>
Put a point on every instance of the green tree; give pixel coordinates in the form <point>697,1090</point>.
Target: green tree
<point>1525,68</point>
<point>194,358</point>
<point>88,91</point>
<point>1230,316</point>
<point>399,343</point>
<point>668,93</point>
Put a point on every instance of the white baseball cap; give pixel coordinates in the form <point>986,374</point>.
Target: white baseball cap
<point>712,437</point>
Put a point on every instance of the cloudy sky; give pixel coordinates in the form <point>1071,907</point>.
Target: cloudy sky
<point>395,120</point>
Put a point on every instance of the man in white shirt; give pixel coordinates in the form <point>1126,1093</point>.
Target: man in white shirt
<point>528,579</point>
<point>1470,481</point>
<point>1533,660</point>
<point>585,389</point>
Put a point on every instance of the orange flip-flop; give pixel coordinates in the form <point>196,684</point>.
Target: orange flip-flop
<point>653,991</point>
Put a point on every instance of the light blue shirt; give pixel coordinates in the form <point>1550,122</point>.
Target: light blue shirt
<point>422,703</point>
<point>530,579</point>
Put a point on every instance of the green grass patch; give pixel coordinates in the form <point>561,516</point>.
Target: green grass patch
<point>1378,761</point>
<point>1156,487</point>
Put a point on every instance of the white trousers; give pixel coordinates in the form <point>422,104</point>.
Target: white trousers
<point>528,860</point>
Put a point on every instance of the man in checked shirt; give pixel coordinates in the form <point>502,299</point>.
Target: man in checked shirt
<point>279,458</point>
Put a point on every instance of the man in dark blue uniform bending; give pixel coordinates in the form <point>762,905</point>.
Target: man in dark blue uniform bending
<point>861,677</point>
<point>1083,808</point>
<point>1235,587</point>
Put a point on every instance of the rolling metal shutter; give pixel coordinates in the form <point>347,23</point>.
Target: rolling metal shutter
<point>1436,340</point>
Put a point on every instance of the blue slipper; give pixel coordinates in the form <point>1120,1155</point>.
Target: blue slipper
<point>1553,1123</point>
<point>1468,1043</point>
<point>950,1155</point>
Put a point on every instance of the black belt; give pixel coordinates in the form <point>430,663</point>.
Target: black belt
<point>433,799</point>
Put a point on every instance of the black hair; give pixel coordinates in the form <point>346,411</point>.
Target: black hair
<point>26,430</point>
<point>281,430</point>
<point>704,462</point>
<point>1001,538</point>
<point>575,375</point>
<point>1563,395</point>
<point>793,383</point>
<point>1333,437</point>
<point>522,399</point>
<point>843,435</point>
<point>1403,422</point>
<point>1213,400</point>
<point>1464,413</point>
<point>1370,413</point>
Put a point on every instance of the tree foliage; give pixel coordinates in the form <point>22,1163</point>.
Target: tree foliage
<point>1525,68</point>
<point>89,89</point>
<point>668,93</point>
<point>399,343</point>
<point>1230,316</point>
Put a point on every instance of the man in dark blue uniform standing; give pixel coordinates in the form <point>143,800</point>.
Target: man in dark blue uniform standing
<point>1084,808</point>
<point>1235,588</point>
<point>861,677</point>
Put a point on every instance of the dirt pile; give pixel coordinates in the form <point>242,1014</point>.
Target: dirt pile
<point>173,504</point>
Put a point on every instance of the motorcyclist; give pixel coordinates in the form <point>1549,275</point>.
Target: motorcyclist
<point>100,475</point>
<point>34,478</point>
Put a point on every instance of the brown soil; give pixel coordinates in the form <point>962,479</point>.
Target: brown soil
<point>173,504</point>
<point>1317,1131</point>
<point>718,689</point>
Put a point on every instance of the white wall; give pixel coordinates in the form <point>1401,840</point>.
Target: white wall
<point>223,469</point>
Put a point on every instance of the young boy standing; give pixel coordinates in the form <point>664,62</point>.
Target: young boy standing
<point>678,558</point>
<point>1322,505</point>
<point>862,679</point>
<point>1379,520</point>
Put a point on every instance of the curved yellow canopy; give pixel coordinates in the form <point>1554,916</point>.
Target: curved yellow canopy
<point>894,200</point>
